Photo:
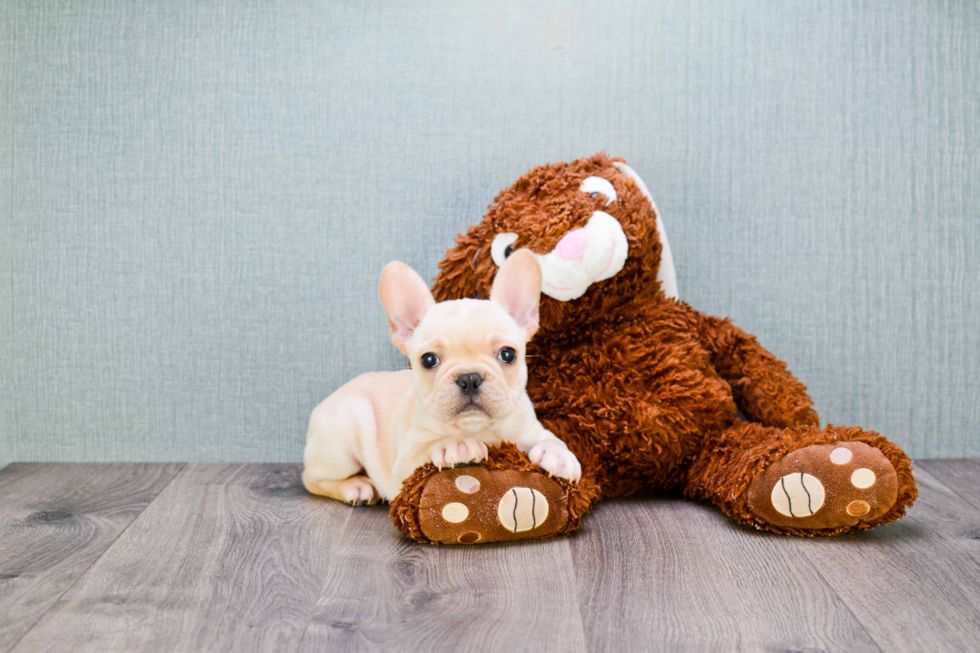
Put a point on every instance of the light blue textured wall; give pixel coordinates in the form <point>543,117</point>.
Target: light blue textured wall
<point>196,198</point>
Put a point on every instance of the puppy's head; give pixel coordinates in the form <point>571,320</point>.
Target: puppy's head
<point>467,355</point>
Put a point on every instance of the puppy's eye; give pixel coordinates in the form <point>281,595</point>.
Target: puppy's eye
<point>429,360</point>
<point>507,355</point>
<point>502,247</point>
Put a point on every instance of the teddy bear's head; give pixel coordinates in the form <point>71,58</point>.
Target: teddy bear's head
<point>592,228</point>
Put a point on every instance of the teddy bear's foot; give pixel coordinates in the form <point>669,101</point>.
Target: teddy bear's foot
<point>472,505</point>
<point>503,498</point>
<point>803,480</point>
<point>825,486</point>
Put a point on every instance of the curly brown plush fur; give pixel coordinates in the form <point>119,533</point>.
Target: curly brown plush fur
<point>644,389</point>
<point>577,498</point>
<point>732,459</point>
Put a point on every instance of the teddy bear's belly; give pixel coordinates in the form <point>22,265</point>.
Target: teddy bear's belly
<point>637,423</point>
<point>635,415</point>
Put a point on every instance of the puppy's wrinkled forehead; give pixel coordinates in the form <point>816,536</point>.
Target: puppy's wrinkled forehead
<point>466,321</point>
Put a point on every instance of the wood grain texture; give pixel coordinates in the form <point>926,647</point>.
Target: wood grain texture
<point>670,575</point>
<point>385,593</point>
<point>55,522</point>
<point>915,584</point>
<point>240,558</point>
<point>229,557</point>
<point>960,476</point>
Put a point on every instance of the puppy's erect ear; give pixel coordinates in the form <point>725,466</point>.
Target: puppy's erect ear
<point>517,287</point>
<point>406,299</point>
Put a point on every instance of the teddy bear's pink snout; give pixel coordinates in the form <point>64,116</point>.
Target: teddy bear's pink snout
<point>572,247</point>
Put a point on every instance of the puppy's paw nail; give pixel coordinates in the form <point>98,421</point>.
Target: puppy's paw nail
<point>556,462</point>
<point>439,457</point>
<point>359,493</point>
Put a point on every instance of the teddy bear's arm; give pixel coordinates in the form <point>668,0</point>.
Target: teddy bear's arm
<point>764,389</point>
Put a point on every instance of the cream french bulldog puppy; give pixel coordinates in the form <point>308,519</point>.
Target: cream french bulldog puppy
<point>464,391</point>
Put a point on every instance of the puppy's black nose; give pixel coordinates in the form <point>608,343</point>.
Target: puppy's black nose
<point>469,384</point>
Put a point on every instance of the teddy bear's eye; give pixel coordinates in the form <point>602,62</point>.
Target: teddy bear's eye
<point>595,186</point>
<point>502,247</point>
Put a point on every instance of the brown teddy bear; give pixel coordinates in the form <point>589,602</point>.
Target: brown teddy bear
<point>643,388</point>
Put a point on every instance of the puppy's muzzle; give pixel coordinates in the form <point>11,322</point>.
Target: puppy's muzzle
<point>469,384</point>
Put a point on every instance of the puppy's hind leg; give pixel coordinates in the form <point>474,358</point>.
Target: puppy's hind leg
<point>356,490</point>
<point>331,468</point>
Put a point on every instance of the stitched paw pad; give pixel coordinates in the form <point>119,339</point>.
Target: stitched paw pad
<point>474,505</point>
<point>825,486</point>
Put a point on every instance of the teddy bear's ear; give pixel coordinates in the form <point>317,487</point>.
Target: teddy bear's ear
<point>665,273</point>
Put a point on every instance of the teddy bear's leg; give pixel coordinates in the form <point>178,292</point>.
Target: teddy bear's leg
<point>803,480</point>
<point>502,498</point>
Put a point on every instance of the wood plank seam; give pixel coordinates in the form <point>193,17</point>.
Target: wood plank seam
<point>71,585</point>
<point>573,569</point>
<point>843,600</point>
<point>566,544</point>
<point>728,558</point>
<point>930,468</point>
<point>953,596</point>
<point>323,583</point>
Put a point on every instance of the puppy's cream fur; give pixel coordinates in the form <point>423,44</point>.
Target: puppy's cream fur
<point>365,439</point>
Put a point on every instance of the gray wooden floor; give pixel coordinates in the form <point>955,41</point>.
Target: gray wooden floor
<point>238,558</point>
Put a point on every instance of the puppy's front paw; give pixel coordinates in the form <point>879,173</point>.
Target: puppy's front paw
<point>555,458</point>
<point>457,451</point>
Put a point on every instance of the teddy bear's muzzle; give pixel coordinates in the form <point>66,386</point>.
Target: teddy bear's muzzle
<point>584,256</point>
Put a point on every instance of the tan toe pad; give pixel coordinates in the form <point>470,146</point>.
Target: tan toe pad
<point>825,486</point>
<point>473,505</point>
